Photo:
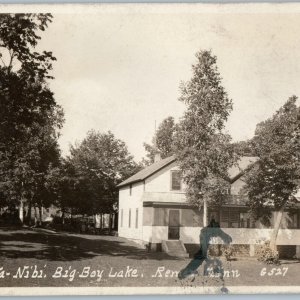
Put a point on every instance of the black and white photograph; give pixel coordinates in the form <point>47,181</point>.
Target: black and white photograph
<point>149,149</point>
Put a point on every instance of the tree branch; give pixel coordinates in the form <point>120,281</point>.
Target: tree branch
<point>12,55</point>
<point>3,62</point>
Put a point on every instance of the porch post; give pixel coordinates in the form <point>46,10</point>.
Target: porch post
<point>252,250</point>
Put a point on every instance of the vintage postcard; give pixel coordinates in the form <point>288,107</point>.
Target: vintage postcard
<point>149,149</point>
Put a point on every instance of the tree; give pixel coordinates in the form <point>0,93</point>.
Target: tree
<point>18,38</point>
<point>30,117</point>
<point>65,185</point>
<point>244,148</point>
<point>271,184</point>
<point>203,150</point>
<point>162,142</point>
<point>96,166</point>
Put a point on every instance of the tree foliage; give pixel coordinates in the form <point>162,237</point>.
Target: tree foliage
<point>244,148</point>
<point>162,141</point>
<point>18,39</point>
<point>92,172</point>
<point>203,149</point>
<point>276,177</point>
<point>30,118</point>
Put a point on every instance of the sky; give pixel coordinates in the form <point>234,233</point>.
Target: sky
<point>120,69</point>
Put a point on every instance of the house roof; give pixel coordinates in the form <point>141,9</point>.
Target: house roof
<point>148,171</point>
<point>234,172</point>
<point>297,195</point>
<point>241,166</point>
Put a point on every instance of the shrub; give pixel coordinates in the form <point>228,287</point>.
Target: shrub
<point>228,252</point>
<point>265,254</point>
<point>213,250</point>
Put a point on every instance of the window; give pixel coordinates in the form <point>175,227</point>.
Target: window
<point>213,218</point>
<point>122,217</point>
<point>233,217</point>
<point>129,218</point>
<point>137,218</point>
<point>244,220</point>
<point>175,180</point>
<point>130,190</point>
<point>291,220</point>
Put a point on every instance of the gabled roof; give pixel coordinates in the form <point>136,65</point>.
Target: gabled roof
<point>241,166</point>
<point>297,195</point>
<point>234,172</point>
<point>148,171</point>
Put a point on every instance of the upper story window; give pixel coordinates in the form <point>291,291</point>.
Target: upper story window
<point>176,180</point>
<point>130,189</point>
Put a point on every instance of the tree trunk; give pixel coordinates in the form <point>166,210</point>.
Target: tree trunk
<point>277,223</point>
<point>114,221</point>
<point>40,215</point>
<point>205,213</point>
<point>35,216</point>
<point>63,217</point>
<point>21,211</point>
<point>109,223</point>
<point>29,213</point>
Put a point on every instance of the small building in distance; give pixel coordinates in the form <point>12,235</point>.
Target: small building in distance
<point>153,209</point>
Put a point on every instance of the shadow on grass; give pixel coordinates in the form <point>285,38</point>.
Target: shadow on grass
<point>24,243</point>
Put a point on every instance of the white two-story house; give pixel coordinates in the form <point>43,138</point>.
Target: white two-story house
<point>153,208</point>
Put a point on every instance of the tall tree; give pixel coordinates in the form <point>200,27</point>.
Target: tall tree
<point>162,141</point>
<point>97,165</point>
<point>203,150</point>
<point>30,117</point>
<point>271,184</point>
<point>244,148</point>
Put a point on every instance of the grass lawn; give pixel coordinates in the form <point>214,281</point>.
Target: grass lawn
<point>40,258</point>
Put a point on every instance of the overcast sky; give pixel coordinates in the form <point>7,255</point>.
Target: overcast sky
<point>120,70</point>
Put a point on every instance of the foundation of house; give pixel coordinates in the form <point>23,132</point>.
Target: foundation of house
<point>243,250</point>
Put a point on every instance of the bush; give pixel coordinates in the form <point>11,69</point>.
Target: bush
<point>10,217</point>
<point>265,254</point>
<point>213,250</point>
<point>228,252</point>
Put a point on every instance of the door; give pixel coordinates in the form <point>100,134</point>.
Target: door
<point>174,224</point>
